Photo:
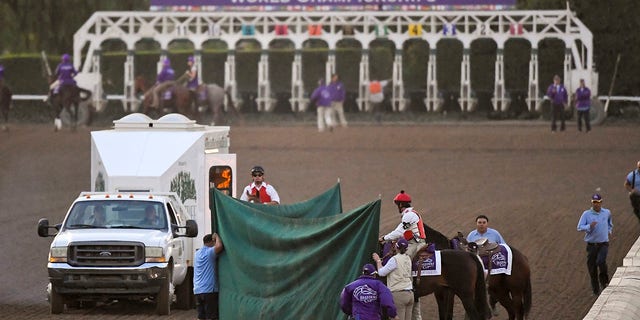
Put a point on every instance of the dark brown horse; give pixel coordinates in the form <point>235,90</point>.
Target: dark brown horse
<point>5,104</point>
<point>512,291</point>
<point>461,275</point>
<point>68,98</point>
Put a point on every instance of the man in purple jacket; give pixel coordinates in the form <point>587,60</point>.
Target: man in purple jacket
<point>558,96</point>
<point>583,104</point>
<point>336,87</point>
<point>322,97</point>
<point>365,298</point>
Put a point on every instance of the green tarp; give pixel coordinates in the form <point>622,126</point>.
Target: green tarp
<point>290,261</point>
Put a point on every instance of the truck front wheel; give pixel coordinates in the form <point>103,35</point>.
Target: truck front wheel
<point>163,299</point>
<point>56,301</point>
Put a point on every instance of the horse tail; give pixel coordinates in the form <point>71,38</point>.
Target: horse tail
<point>526,305</point>
<point>231,106</point>
<point>482,304</point>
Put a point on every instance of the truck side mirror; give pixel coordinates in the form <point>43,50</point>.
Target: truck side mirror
<point>43,228</point>
<point>192,229</point>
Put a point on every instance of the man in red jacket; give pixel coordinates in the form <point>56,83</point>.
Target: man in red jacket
<point>259,191</point>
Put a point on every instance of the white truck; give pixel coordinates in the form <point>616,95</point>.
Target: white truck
<point>171,165</point>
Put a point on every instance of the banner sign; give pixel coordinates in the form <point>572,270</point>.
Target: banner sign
<point>329,5</point>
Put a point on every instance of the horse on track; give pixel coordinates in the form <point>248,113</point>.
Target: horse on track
<point>68,99</point>
<point>512,291</point>
<point>5,104</point>
<point>194,105</point>
<point>461,275</point>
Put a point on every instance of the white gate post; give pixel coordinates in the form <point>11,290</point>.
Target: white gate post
<point>230,76</point>
<point>298,100</point>
<point>130,99</point>
<point>398,101</point>
<point>431,99</point>
<point>532,99</point>
<point>465,82</point>
<point>264,87</point>
<point>499,99</point>
<point>363,94</point>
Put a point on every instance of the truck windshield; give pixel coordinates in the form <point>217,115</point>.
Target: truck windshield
<point>117,214</point>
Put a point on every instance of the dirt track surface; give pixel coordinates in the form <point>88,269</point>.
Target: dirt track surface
<point>531,183</point>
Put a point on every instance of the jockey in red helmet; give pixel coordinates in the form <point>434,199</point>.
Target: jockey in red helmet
<point>411,227</point>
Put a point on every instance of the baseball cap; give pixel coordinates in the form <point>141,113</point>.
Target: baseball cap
<point>596,198</point>
<point>369,269</point>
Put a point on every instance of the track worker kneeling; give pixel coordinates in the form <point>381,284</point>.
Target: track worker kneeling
<point>410,227</point>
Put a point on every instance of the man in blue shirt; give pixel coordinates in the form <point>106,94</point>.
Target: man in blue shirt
<point>205,286</point>
<point>632,184</point>
<point>365,298</point>
<point>483,231</point>
<point>597,225</point>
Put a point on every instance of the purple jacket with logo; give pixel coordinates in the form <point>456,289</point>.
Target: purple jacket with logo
<point>583,99</point>
<point>322,96</point>
<point>65,73</point>
<point>557,94</point>
<point>364,299</point>
<point>337,91</point>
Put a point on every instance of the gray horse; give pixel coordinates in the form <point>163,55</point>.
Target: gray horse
<point>210,97</point>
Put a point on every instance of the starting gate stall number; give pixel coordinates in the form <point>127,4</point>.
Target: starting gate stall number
<point>381,31</point>
<point>221,178</point>
<point>415,30</point>
<point>282,29</point>
<point>449,29</point>
<point>248,30</point>
<point>315,30</point>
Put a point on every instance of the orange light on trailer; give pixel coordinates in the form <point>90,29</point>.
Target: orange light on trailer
<point>131,196</point>
<point>106,196</point>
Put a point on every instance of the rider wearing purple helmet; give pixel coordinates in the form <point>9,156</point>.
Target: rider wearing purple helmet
<point>163,81</point>
<point>65,73</point>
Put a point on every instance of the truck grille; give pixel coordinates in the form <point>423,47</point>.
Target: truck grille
<point>106,254</point>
